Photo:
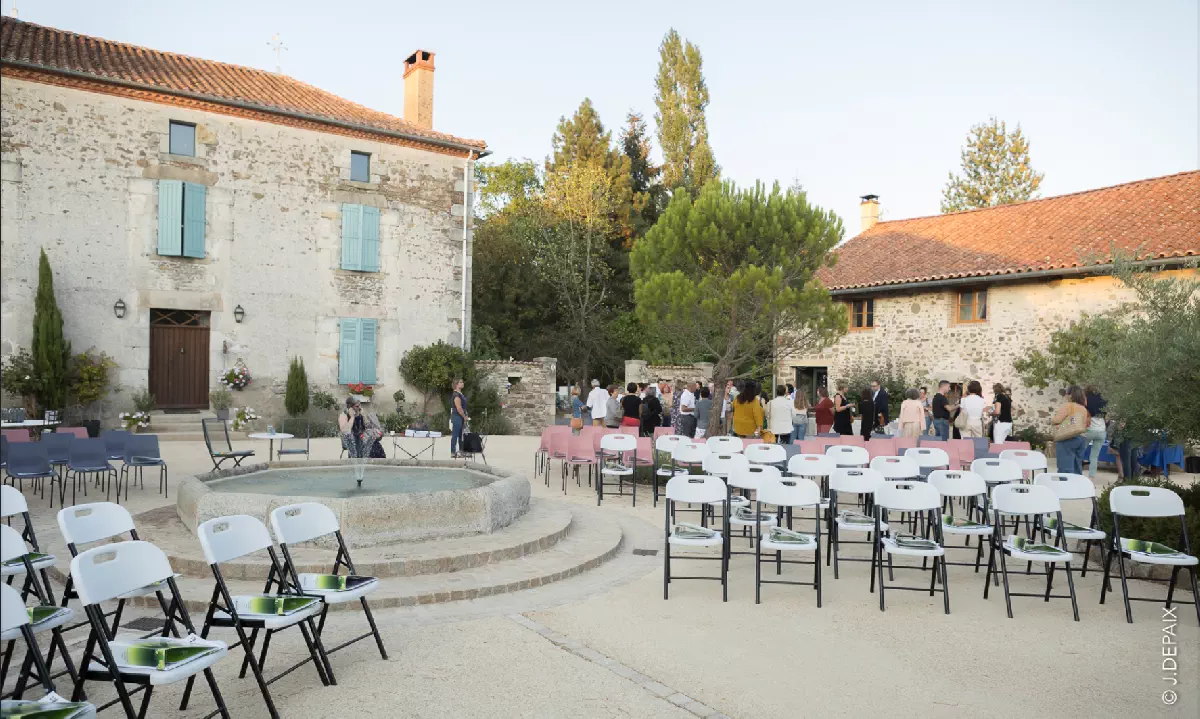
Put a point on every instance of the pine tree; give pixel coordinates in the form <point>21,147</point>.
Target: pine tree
<point>681,99</point>
<point>995,170</point>
<point>582,140</point>
<point>295,400</point>
<point>51,351</point>
<point>644,180</point>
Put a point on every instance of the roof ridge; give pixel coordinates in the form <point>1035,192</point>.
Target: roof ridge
<point>1011,205</point>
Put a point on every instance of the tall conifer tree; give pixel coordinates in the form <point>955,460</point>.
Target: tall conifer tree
<point>51,351</point>
<point>681,99</point>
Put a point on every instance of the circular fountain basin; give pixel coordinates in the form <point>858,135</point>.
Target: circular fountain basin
<point>399,501</point>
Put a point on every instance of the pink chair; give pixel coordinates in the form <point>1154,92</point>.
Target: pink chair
<point>881,447</point>
<point>997,448</point>
<point>559,445</point>
<point>635,431</point>
<point>813,446</point>
<point>965,448</point>
<point>746,442</point>
<point>660,431</point>
<point>579,454</point>
<point>79,432</point>
<point>854,439</point>
<point>597,435</point>
<point>903,443</point>
<point>16,435</point>
<point>953,454</point>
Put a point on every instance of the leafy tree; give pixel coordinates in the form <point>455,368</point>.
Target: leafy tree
<point>1071,355</point>
<point>19,377</point>
<point>508,183</point>
<point>644,176</point>
<point>894,376</point>
<point>995,170</point>
<point>295,400</point>
<point>51,351</point>
<point>432,370</point>
<point>582,140</point>
<point>732,276</point>
<point>90,377</point>
<point>681,99</point>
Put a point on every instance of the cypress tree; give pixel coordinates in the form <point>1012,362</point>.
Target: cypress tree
<point>681,99</point>
<point>51,351</point>
<point>295,401</point>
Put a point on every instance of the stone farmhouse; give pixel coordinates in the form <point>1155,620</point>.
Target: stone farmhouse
<point>959,296</point>
<point>198,215</point>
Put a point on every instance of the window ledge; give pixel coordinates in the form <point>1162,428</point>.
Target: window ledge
<point>182,159</point>
<point>356,185</point>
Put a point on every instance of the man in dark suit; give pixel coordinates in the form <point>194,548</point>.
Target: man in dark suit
<point>880,397</point>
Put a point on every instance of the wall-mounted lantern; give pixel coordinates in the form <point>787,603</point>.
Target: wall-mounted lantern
<point>239,314</point>
<point>119,309</point>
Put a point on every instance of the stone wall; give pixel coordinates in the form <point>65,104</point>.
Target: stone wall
<point>642,371</point>
<point>919,330</point>
<point>526,390</point>
<point>80,179</point>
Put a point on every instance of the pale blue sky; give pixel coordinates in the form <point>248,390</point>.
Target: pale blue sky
<point>850,98</point>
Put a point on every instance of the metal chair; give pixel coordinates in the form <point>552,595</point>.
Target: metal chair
<point>15,621</point>
<point>114,442</point>
<point>141,451</point>
<point>28,460</point>
<point>220,456</point>
<point>58,450</point>
<point>295,450</point>
<point>90,456</point>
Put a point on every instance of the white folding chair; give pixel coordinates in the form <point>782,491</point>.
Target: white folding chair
<point>613,463</point>
<point>914,497</point>
<point>814,466</point>
<point>996,471</point>
<point>928,458</point>
<point>1030,501</point>
<point>968,486</point>
<point>746,477</point>
<point>703,490</point>
<point>896,468</point>
<point>1068,487</point>
<point>12,503</point>
<point>787,494</point>
<point>224,539</point>
<point>110,571</point>
<point>1136,501</point>
<point>664,458</point>
<point>766,454</point>
<point>1029,460</point>
<point>688,458</point>
<point>724,444</point>
<point>852,480</point>
<point>848,455</point>
<point>20,560</point>
<point>304,522</point>
<point>15,622</point>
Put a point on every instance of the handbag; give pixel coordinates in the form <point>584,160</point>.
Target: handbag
<point>960,422</point>
<point>768,437</point>
<point>1073,426</point>
<point>577,423</point>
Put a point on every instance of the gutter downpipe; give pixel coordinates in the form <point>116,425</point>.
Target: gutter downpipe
<point>467,195</point>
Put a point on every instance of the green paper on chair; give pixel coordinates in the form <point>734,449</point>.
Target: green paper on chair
<point>787,536</point>
<point>332,582</point>
<point>684,530</point>
<point>850,517</point>
<point>960,522</point>
<point>34,558</point>
<point>1140,546</point>
<point>910,541</point>
<point>273,606</point>
<point>44,709</point>
<point>164,654</point>
<point>1021,544</point>
<point>1052,523</point>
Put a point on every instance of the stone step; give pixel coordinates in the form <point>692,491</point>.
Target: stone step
<point>593,540</point>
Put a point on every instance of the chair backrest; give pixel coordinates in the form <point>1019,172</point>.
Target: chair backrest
<point>697,488</point>
<point>142,445</point>
<point>89,453</point>
<point>829,434</point>
<point>690,452</point>
<point>11,544</point>
<point>645,450</point>
<point>848,455</point>
<point>12,502</point>
<point>1009,444</point>
<point>893,468</point>
<point>750,442</point>
<point>28,458</point>
<point>626,429</point>
<point>237,535</point>
<point>931,439</point>
<point>908,496</point>
<point>580,447</point>
<point>997,470</point>
<point>788,491</point>
<point>618,442</point>
<point>927,457</point>
<point>301,427</point>
<point>1066,485</point>
<point>750,476</point>
<point>1135,501</point>
<point>662,431</point>
<point>668,442</point>
<point>110,570</point>
<point>1024,499</point>
<point>295,523</point>
<point>981,445</point>
<point>766,453</point>
<point>957,483</point>
<point>855,440</point>
<point>725,444</point>
<point>814,446</point>
<point>220,427</point>
<point>903,443</point>
<point>595,437</point>
<point>966,449</point>
<point>811,465</point>
<point>1027,459</point>
<point>859,480</point>
<point>546,433</point>
<point>115,439</point>
<point>16,435</point>
<point>57,445</point>
<point>12,609</point>
<point>87,523</point>
<point>881,447</point>
<point>80,432</point>
<point>560,443</point>
<point>724,464</point>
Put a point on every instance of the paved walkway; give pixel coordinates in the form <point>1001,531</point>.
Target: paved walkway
<point>606,644</point>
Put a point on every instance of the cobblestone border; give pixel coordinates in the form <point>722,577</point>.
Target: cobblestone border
<point>585,652</point>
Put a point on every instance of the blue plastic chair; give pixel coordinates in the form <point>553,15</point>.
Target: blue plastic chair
<point>58,451</point>
<point>90,456</point>
<point>141,451</point>
<point>927,439</point>
<point>28,460</point>
<point>114,441</point>
<point>3,452</point>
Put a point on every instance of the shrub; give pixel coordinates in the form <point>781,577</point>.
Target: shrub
<point>895,377</point>
<point>220,399</point>
<point>1037,439</point>
<point>18,376</point>
<point>432,369</point>
<point>324,400</point>
<point>143,401</point>
<point>89,377</point>
<point>295,401</point>
<point>1164,530</point>
<point>319,427</point>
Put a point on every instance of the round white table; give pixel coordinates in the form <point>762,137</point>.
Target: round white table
<point>271,437</point>
<point>28,424</point>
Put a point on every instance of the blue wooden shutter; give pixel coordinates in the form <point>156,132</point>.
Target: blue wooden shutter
<point>352,237</point>
<point>366,351</point>
<point>193,219</point>
<point>170,217</point>
<point>348,364</point>
<point>370,239</point>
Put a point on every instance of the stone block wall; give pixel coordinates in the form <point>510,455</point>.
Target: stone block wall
<point>642,371</point>
<point>526,390</point>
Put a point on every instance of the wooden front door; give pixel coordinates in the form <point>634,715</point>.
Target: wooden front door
<point>179,358</point>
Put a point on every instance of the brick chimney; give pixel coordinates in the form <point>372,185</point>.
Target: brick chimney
<point>869,209</point>
<point>418,89</point>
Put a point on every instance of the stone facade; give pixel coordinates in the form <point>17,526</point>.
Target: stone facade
<point>919,330</point>
<point>80,179</point>
<point>526,390</point>
<point>642,371</point>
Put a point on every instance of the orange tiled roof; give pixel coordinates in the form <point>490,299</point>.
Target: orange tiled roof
<point>28,46</point>
<point>1149,219</point>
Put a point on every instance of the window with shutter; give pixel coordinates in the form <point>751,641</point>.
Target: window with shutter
<point>348,363</point>
<point>193,219</point>
<point>170,217</point>
<point>360,238</point>
<point>366,351</point>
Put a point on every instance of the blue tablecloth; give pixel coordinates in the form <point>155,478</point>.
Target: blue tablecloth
<point>1161,456</point>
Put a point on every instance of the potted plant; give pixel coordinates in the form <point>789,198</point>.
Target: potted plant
<point>361,392</point>
<point>236,377</point>
<point>221,400</point>
<point>89,385</point>
<point>143,404</point>
<point>135,421</point>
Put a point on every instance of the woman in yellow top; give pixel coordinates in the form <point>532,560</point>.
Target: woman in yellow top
<point>748,412</point>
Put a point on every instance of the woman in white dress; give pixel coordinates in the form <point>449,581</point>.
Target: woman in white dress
<point>972,406</point>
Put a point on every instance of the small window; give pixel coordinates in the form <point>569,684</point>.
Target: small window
<point>360,167</point>
<point>183,139</point>
<point>972,306</point>
<point>862,314</point>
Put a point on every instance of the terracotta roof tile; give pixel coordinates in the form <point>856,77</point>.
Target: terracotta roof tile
<point>105,60</point>
<point>1148,219</point>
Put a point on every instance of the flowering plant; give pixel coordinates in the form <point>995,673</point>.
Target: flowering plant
<point>242,417</point>
<point>135,420</point>
<point>365,390</point>
<point>236,378</point>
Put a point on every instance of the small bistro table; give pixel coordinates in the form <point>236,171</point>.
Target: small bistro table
<point>271,437</point>
<point>431,437</point>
